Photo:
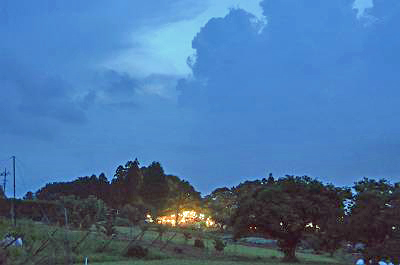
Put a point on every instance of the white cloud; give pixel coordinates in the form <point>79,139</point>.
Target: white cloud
<point>361,5</point>
<point>165,49</point>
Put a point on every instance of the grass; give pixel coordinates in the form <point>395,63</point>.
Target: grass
<point>195,262</point>
<point>92,247</point>
<point>183,262</point>
<point>232,250</point>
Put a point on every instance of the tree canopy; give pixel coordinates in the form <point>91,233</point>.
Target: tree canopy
<point>287,209</point>
<point>374,219</point>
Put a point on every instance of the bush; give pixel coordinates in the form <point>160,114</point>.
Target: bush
<point>219,245</point>
<point>3,257</point>
<point>187,236</point>
<point>122,222</point>
<point>178,250</point>
<point>137,251</point>
<point>199,243</point>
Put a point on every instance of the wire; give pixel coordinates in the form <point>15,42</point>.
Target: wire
<point>5,162</point>
<point>20,166</point>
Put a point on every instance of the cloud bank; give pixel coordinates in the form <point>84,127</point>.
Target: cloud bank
<point>315,93</point>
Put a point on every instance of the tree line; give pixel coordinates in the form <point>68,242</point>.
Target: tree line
<point>293,210</point>
<point>302,210</point>
<point>146,189</point>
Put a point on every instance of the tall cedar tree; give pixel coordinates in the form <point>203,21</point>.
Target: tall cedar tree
<point>127,184</point>
<point>155,189</point>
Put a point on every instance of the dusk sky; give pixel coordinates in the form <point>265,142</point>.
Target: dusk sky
<point>217,91</point>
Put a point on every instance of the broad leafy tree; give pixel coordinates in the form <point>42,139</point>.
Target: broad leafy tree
<point>222,204</point>
<point>375,218</point>
<point>182,196</point>
<point>287,209</point>
<point>83,187</point>
<point>29,196</point>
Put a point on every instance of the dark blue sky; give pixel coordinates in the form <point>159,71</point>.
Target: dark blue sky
<point>288,87</point>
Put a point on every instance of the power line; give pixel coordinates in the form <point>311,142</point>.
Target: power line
<point>5,162</point>
<point>22,169</point>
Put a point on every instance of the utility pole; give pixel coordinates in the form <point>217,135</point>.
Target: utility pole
<point>5,174</point>
<point>14,174</point>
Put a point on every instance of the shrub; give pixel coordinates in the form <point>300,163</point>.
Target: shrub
<point>109,225</point>
<point>178,250</point>
<point>187,236</point>
<point>219,245</point>
<point>199,243</point>
<point>122,222</point>
<point>137,251</point>
<point>3,257</point>
<point>161,229</point>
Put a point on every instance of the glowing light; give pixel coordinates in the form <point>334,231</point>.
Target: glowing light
<point>149,219</point>
<point>185,217</point>
<point>312,225</point>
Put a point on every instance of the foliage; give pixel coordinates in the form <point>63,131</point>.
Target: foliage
<point>3,256</point>
<point>2,194</point>
<point>187,236</point>
<point>127,184</point>
<point>219,245</point>
<point>109,225</point>
<point>135,214</point>
<point>82,187</point>
<point>29,196</point>
<point>147,189</point>
<point>199,243</point>
<point>137,251</point>
<point>374,218</point>
<point>182,196</point>
<point>112,254</point>
<point>329,239</point>
<point>285,209</point>
<point>222,204</point>
<point>155,188</point>
<point>82,213</point>
<point>161,230</point>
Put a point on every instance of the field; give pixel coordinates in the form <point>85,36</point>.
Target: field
<point>55,245</point>
<point>192,262</point>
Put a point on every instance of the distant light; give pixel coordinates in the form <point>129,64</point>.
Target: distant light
<point>186,217</point>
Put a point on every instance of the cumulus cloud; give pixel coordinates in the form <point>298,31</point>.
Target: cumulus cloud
<point>307,95</point>
<point>312,92</point>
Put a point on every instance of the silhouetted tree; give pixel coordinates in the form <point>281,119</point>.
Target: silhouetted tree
<point>222,204</point>
<point>182,196</point>
<point>29,196</point>
<point>155,189</point>
<point>287,210</point>
<point>2,195</point>
<point>375,217</point>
